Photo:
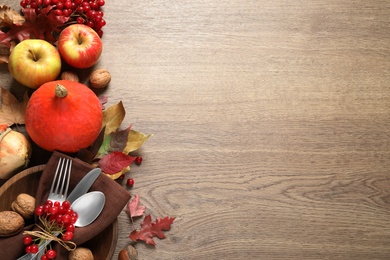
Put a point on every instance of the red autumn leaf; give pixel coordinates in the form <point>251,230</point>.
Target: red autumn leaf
<point>134,209</point>
<point>115,162</point>
<point>38,26</point>
<point>151,229</point>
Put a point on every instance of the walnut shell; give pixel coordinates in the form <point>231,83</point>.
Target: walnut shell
<point>69,75</point>
<point>81,253</point>
<point>24,205</point>
<point>11,223</point>
<point>128,253</point>
<point>100,78</point>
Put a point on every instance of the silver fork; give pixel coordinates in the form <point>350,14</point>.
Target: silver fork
<point>58,192</point>
<point>59,186</point>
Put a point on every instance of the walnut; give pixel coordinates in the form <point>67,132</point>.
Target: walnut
<point>68,75</point>
<point>128,253</point>
<point>100,78</point>
<point>81,253</point>
<point>11,223</point>
<point>24,205</point>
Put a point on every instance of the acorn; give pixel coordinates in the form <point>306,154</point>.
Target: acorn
<point>128,253</point>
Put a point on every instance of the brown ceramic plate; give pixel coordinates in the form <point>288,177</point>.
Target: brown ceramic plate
<point>102,246</point>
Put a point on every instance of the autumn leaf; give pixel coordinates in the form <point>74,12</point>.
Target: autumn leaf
<point>113,117</point>
<point>114,142</point>
<point>151,229</point>
<point>12,111</point>
<point>8,16</point>
<point>115,162</point>
<point>134,209</point>
<point>135,140</point>
<point>15,28</point>
<point>118,174</point>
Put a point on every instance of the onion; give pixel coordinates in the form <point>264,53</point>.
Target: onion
<point>15,152</point>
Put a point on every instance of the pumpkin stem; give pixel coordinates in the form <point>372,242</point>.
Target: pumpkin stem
<point>61,91</point>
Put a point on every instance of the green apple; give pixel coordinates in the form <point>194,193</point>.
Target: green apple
<point>33,62</point>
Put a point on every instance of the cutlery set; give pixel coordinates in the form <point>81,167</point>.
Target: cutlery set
<point>88,205</point>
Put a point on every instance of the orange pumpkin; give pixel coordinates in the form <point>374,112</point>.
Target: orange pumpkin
<point>63,115</point>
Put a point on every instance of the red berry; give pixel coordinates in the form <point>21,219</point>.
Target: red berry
<point>66,204</point>
<point>34,249</point>
<point>54,210</point>
<point>27,240</point>
<point>68,235</point>
<point>66,219</point>
<point>28,249</point>
<point>80,20</point>
<point>70,227</point>
<point>101,2</point>
<point>59,219</point>
<point>130,182</point>
<point>138,160</point>
<point>39,211</point>
<point>60,5</point>
<point>44,257</point>
<point>100,33</point>
<point>51,254</point>
<point>46,208</point>
<point>58,12</point>
<point>61,210</point>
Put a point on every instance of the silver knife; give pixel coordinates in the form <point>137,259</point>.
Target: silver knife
<point>84,184</point>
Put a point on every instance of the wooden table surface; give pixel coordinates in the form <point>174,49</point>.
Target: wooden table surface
<point>270,123</point>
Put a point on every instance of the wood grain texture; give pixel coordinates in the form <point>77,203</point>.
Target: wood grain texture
<point>271,123</point>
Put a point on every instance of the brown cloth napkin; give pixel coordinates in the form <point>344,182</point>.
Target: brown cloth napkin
<point>116,199</point>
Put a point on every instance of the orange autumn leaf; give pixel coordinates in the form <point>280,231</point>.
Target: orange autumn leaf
<point>12,111</point>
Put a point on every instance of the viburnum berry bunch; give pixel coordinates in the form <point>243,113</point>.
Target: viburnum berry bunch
<point>56,218</point>
<point>88,12</point>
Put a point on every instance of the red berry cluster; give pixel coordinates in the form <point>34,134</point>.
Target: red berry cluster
<point>86,12</point>
<point>55,216</point>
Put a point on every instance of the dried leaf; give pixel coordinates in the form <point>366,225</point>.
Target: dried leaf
<point>149,229</point>
<point>114,142</point>
<point>36,26</point>
<point>103,100</point>
<point>134,209</point>
<point>114,162</point>
<point>135,140</point>
<point>113,117</point>
<point>12,111</point>
<point>8,16</point>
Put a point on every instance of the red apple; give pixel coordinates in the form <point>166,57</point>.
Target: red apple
<point>80,46</point>
<point>33,62</point>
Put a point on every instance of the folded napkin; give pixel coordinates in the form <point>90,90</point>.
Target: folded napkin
<point>116,199</point>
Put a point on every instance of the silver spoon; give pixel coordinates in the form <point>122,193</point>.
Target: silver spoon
<point>88,207</point>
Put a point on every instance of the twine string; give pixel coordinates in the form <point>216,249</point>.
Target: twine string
<point>44,234</point>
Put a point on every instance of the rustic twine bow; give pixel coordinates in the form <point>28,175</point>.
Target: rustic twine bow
<point>44,234</point>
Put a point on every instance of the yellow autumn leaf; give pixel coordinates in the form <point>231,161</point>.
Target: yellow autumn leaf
<point>113,117</point>
<point>135,140</point>
<point>118,174</point>
<point>12,111</point>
